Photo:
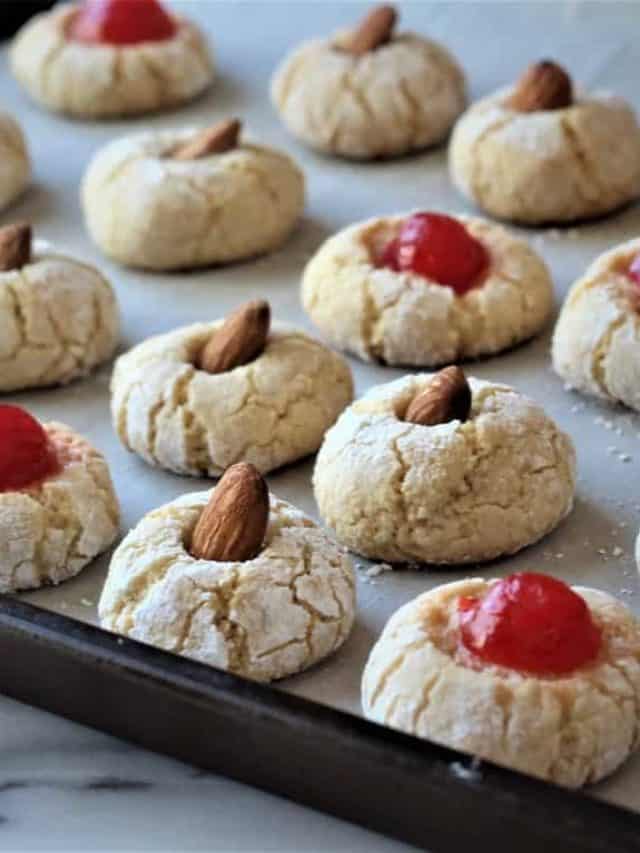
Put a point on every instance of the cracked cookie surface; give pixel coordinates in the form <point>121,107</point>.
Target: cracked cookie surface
<point>104,81</point>
<point>270,412</point>
<point>572,730</point>
<point>405,319</point>
<point>596,342</point>
<point>58,320</point>
<point>50,531</point>
<point>266,618</point>
<point>550,165</point>
<point>448,494</point>
<point>15,165</point>
<point>145,209</point>
<point>402,97</point>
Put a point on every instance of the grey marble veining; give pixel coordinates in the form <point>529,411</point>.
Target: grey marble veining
<point>66,788</point>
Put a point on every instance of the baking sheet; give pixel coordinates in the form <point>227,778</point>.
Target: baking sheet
<point>493,41</point>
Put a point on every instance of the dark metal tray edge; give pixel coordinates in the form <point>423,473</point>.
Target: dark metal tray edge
<point>413,790</point>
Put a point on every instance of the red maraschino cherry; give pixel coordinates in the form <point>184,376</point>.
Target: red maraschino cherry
<point>530,622</point>
<point>634,269</point>
<point>437,247</point>
<point>26,454</point>
<point>121,22</point>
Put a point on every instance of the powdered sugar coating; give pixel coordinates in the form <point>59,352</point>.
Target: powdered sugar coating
<point>401,97</point>
<point>265,618</point>
<point>102,80</point>
<point>549,165</point>
<point>146,209</point>
<point>50,531</point>
<point>596,343</point>
<point>449,494</point>
<point>404,318</point>
<point>15,164</point>
<point>58,320</point>
<point>572,730</point>
<point>269,412</point>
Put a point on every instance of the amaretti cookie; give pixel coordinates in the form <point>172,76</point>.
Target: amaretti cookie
<point>438,469</point>
<point>426,289</point>
<point>234,578</point>
<point>15,164</point>
<point>202,397</point>
<point>167,200</point>
<point>596,343</point>
<point>58,509</point>
<point>542,152</point>
<point>106,58</point>
<point>58,316</point>
<point>369,92</point>
<point>525,672</point>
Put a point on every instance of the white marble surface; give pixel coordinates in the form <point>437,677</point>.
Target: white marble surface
<point>63,787</point>
<point>67,788</point>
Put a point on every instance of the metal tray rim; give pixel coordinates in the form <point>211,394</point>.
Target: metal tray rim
<point>342,764</point>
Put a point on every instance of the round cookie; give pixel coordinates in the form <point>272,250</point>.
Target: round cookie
<point>596,342</point>
<point>264,618</point>
<point>461,490</point>
<point>271,410</point>
<point>168,200</point>
<point>52,529</point>
<point>545,164</point>
<point>102,80</point>
<point>15,165</point>
<point>572,729</point>
<point>361,97</point>
<point>403,318</point>
<point>58,316</point>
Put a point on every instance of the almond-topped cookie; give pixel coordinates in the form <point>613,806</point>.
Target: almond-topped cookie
<point>596,342</point>
<point>544,151</point>
<point>183,199</point>
<point>58,508</point>
<point>426,289</point>
<point>234,578</point>
<point>59,317</point>
<point>15,163</point>
<point>524,671</point>
<point>202,397</point>
<point>370,91</point>
<point>443,469</point>
<point>106,58</point>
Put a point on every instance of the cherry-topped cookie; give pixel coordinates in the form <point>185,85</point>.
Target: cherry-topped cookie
<point>58,509</point>
<point>118,22</point>
<point>426,289</point>
<point>524,671</point>
<point>596,343</point>
<point>104,58</point>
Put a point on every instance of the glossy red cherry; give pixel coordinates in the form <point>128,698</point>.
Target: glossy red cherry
<point>530,622</point>
<point>26,454</point>
<point>437,247</point>
<point>121,22</point>
<point>634,269</point>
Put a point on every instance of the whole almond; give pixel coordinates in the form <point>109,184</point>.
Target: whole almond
<point>233,524</point>
<point>212,140</point>
<point>15,246</point>
<point>375,29</point>
<point>240,339</point>
<point>446,398</point>
<point>543,86</point>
